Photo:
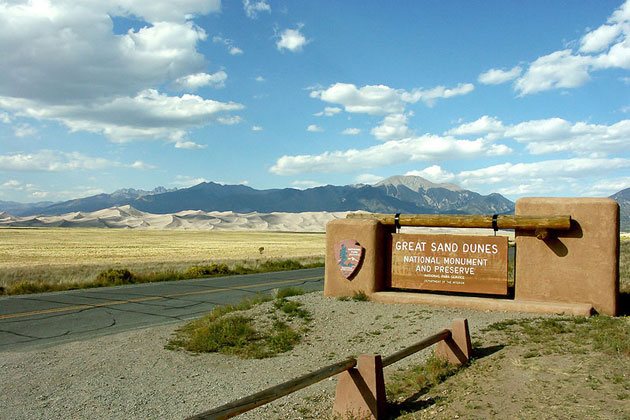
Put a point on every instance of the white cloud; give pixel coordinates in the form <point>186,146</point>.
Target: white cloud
<point>189,145</point>
<point>368,179</point>
<point>380,99</point>
<point>253,7</point>
<point>12,184</point>
<point>259,79</point>
<point>292,40</point>
<point>187,181</point>
<point>40,194</point>
<point>558,135</point>
<point>231,120</point>
<point>370,99</point>
<point>498,76</point>
<point>571,177</point>
<point>148,115</point>
<point>553,135</point>
<point>52,161</point>
<point>141,165</point>
<point>5,117</point>
<point>195,81</point>
<point>394,152</point>
<point>483,125</point>
<point>158,11</point>
<point>306,184</point>
<point>560,69</point>
<point>229,44</point>
<point>560,169</point>
<point>600,38</point>
<point>608,187</point>
<point>434,174</point>
<point>603,48</point>
<point>314,128</point>
<point>351,131</point>
<point>257,128</point>
<point>24,130</point>
<point>393,126</point>
<point>329,111</point>
<point>439,92</point>
<point>84,75</point>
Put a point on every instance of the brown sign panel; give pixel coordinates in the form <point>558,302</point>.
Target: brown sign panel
<point>453,263</point>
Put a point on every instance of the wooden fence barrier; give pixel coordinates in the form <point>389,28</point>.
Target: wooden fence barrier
<point>361,389</point>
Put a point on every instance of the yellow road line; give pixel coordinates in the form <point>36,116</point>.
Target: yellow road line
<point>146,299</point>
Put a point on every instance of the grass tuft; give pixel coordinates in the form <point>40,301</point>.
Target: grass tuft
<point>609,335</point>
<point>360,296</point>
<point>226,331</point>
<point>419,379</point>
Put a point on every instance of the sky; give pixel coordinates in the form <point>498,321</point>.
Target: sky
<point>519,98</point>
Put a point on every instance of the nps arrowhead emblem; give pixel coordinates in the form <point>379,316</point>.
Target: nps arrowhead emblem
<point>348,254</point>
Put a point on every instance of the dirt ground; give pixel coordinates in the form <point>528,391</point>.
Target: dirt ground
<point>522,373</point>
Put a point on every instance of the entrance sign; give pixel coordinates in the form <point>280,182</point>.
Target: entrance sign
<point>348,254</point>
<point>453,263</point>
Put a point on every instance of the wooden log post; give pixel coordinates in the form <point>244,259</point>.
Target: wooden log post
<point>470,221</point>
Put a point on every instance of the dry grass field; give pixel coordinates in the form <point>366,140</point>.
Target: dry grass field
<point>70,255</point>
<point>59,255</point>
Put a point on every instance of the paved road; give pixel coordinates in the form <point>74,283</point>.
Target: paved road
<point>41,320</point>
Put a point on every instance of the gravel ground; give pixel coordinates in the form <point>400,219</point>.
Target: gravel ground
<point>132,376</point>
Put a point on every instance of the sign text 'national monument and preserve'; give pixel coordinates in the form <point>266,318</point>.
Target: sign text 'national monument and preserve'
<point>453,263</point>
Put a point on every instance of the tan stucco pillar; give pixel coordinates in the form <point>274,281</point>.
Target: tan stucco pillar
<point>576,266</point>
<point>370,274</point>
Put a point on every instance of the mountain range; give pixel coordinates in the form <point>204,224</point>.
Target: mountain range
<point>623,198</point>
<point>397,194</point>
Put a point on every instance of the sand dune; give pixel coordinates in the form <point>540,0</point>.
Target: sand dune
<point>127,217</point>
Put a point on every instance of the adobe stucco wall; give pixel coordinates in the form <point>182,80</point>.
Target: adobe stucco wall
<point>371,273</point>
<point>576,266</point>
<point>571,272</point>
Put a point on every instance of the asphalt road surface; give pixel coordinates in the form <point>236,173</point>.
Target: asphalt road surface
<point>41,320</point>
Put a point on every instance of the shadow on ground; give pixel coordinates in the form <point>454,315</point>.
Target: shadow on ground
<point>415,402</point>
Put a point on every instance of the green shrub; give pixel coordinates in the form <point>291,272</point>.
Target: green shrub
<point>360,296</point>
<point>115,276</point>
<point>207,271</point>
<point>281,265</point>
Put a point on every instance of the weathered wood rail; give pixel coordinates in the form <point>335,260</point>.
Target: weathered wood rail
<point>470,221</point>
<point>456,349</point>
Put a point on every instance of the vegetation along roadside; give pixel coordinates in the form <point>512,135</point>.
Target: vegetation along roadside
<point>122,276</point>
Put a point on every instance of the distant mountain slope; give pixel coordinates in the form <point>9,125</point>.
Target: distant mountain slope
<point>401,194</point>
<point>623,198</point>
<point>443,198</point>
<point>415,183</point>
<point>18,209</point>
<point>101,201</point>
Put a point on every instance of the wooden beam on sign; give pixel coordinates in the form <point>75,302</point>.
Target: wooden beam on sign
<point>470,221</point>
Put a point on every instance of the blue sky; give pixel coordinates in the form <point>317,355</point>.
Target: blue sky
<point>521,98</point>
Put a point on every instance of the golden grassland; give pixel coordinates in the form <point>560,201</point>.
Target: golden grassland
<point>71,255</point>
<point>60,255</point>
